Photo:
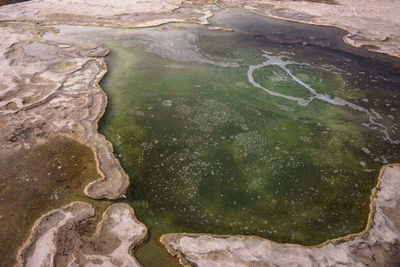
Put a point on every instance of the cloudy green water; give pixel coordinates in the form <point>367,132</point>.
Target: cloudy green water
<point>241,133</point>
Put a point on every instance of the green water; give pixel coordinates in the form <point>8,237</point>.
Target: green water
<point>210,152</point>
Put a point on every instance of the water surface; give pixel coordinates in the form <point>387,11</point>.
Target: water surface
<point>276,129</point>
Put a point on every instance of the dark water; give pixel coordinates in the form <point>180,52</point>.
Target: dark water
<point>276,129</point>
<point>7,2</point>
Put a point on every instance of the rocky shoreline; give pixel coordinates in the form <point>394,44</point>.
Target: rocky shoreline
<point>59,95</point>
<point>49,88</point>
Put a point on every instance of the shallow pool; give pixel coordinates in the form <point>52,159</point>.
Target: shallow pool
<point>274,129</point>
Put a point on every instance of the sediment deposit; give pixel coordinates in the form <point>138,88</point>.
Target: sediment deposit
<point>56,239</point>
<point>51,88</point>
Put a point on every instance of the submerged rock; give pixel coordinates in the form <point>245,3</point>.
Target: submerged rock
<point>167,103</point>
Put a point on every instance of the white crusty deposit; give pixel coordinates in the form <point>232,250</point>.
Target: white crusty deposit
<point>57,241</point>
<point>122,14</point>
<point>49,88</point>
<point>371,23</point>
<point>378,245</point>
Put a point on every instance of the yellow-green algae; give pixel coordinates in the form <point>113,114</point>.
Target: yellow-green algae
<point>210,153</point>
<point>37,180</point>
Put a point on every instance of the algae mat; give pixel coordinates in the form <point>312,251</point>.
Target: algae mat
<point>39,179</point>
<point>274,129</point>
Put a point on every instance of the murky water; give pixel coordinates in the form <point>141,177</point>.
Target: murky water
<point>276,129</point>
